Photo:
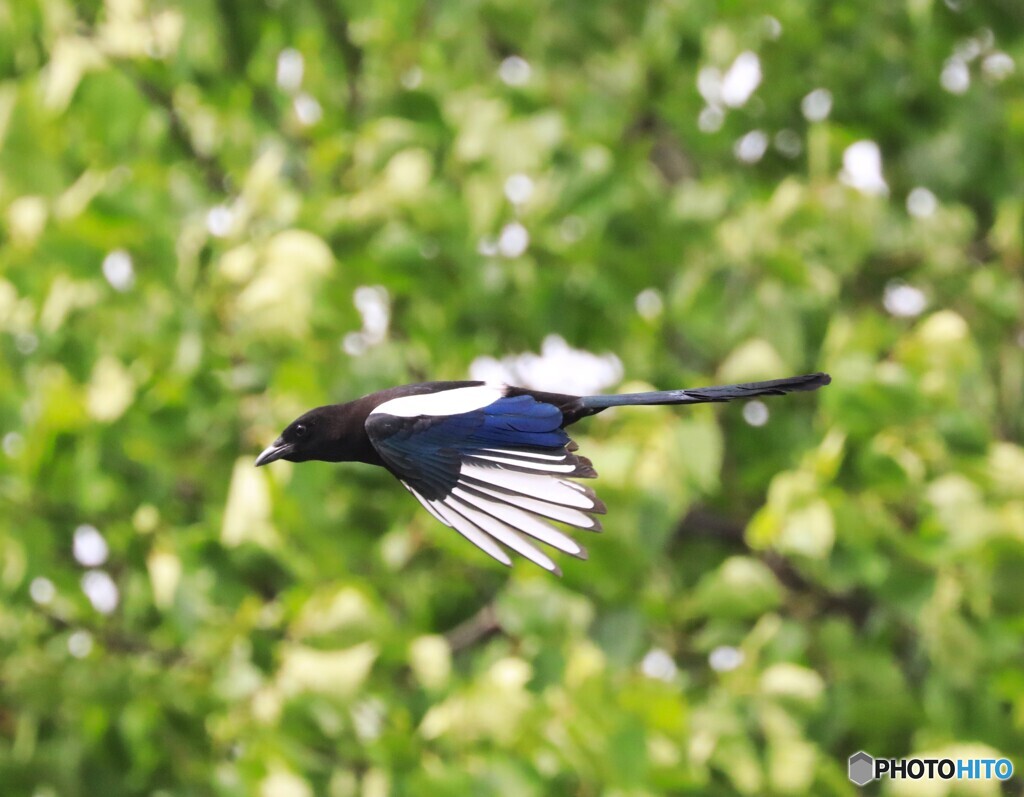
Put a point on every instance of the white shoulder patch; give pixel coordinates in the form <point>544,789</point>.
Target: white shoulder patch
<point>445,402</point>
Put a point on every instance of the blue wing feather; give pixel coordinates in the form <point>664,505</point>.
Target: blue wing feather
<point>427,450</point>
<point>496,474</point>
<point>524,416</point>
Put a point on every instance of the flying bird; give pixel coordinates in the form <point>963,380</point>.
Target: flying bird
<point>491,461</point>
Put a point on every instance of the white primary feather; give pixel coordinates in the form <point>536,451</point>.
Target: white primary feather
<point>523,521</point>
<point>573,517</point>
<point>503,533</point>
<point>547,488</point>
<point>426,505</point>
<point>471,532</point>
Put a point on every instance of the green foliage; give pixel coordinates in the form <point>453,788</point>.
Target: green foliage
<point>184,225</point>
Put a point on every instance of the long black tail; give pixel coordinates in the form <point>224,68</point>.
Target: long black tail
<point>700,395</point>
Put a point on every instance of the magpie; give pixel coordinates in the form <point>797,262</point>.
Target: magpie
<point>491,461</point>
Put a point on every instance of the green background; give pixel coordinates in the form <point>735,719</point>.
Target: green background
<point>183,227</point>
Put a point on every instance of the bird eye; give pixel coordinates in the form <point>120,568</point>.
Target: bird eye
<point>300,430</point>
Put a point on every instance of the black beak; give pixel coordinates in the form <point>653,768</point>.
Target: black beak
<point>276,450</point>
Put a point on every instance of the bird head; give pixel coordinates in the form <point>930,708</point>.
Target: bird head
<point>303,439</point>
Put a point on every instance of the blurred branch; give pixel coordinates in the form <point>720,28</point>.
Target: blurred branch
<point>117,642</point>
<point>856,605</point>
<point>242,27</point>
<point>215,177</point>
<point>666,152</point>
<point>237,44</point>
<point>337,25</point>
<point>477,628</point>
<point>702,522</point>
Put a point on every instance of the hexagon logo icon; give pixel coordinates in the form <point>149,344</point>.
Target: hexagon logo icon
<point>861,768</point>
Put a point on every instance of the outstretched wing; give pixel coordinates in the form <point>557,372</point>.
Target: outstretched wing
<point>493,467</point>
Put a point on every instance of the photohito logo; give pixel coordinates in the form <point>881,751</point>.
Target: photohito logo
<point>863,768</point>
